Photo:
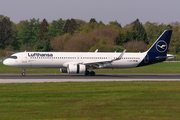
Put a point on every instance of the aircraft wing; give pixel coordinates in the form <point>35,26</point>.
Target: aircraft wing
<point>101,63</point>
<point>96,62</point>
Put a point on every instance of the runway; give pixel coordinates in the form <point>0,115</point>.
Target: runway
<point>40,78</point>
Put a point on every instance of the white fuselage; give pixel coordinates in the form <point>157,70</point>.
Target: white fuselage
<point>61,59</point>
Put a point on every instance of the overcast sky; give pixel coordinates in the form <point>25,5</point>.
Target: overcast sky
<point>124,11</point>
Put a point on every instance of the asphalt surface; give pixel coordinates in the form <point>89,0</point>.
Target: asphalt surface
<point>39,78</point>
<point>98,76</point>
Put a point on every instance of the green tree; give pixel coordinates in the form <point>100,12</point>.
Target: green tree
<point>66,28</point>
<point>80,24</point>
<point>14,43</point>
<point>42,46</point>
<point>131,32</point>
<point>103,46</point>
<point>28,33</point>
<point>130,35</point>
<point>56,28</point>
<point>89,27</point>
<point>115,23</point>
<point>93,20</point>
<point>73,26</point>
<point>141,34</point>
<point>154,30</point>
<point>174,46</point>
<point>6,32</point>
<point>136,21</point>
<point>100,24</point>
<point>43,30</point>
<point>124,37</point>
<point>121,38</point>
<point>70,26</point>
<point>1,17</point>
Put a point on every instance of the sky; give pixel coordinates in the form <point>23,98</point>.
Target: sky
<point>124,11</point>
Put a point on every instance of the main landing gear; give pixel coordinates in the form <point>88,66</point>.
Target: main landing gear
<point>92,73</point>
<point>23,73</point>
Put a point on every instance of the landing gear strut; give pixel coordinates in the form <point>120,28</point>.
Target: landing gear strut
<point>92,73</point>
<point>23,73</point>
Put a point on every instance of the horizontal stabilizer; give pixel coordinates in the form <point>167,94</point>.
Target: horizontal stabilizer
<point>168,57</point>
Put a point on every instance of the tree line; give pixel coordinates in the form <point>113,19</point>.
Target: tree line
<point>74,35</point>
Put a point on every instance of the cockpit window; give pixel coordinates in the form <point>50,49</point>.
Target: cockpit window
<point>13,57</point>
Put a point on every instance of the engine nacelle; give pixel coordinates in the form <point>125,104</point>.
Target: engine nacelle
<point>76,69</point>
<point>63,70</point>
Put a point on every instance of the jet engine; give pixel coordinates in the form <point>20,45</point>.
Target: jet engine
<point>63,70</point>
<point>76,69</point>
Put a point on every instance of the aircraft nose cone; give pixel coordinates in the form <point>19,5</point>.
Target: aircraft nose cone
<point>5,62</point>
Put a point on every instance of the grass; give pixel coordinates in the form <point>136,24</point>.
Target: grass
<point>92,100</point>
<point>159,68</point>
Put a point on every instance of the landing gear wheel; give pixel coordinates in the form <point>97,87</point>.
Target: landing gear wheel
<point>92,73</point>
<point>23,74</point>
<point>86,73</point>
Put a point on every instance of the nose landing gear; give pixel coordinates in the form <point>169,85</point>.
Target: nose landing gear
<point>23,73</point>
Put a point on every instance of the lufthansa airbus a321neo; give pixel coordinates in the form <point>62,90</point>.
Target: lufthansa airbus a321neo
<point>85,62</point>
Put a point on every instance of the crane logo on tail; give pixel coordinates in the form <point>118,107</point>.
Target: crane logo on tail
<point>161,46</point>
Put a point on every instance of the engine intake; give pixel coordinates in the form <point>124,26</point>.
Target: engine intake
<point>76,69</point>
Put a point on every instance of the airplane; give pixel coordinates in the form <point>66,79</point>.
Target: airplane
<point>86,62</point>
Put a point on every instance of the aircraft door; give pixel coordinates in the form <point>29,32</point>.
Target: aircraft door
<point>24,58</point>
<point>110,57</point>
<point>25,62</point>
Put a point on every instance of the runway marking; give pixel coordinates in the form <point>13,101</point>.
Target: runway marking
<point>79,80</point>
